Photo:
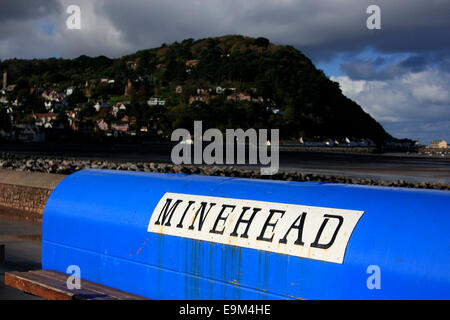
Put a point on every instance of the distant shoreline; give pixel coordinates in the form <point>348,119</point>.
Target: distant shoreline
<point>79,149</point>
<point>366,169</point>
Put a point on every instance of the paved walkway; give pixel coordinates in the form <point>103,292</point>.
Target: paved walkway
<point>22,242</point>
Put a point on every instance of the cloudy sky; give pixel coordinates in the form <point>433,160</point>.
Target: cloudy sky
<point>399,74</point>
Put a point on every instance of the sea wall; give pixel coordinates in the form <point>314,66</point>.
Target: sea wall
<point>65,166</point>
<point>26,192</point>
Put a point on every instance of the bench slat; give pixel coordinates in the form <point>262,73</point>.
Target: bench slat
<point>52,285</point>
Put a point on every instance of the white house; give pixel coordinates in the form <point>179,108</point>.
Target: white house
<point>156,101</point>
<point>45,119</point>
<point>220,90</point>
<point>69,91</point>
<point>118,107</point>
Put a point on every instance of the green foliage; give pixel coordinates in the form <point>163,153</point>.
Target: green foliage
<point>262,42</point>
<point>311,104</point>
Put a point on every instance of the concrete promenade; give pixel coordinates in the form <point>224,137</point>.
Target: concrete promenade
<point>22,241</point>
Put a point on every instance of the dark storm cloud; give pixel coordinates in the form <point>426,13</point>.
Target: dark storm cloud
<point>414,63</point>
<point>26,9</point>
<point>405,77</point>
<point>319,28</point>
<point>377,69</point>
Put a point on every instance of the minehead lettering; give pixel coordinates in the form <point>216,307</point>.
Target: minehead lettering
<point>245,222</point>
<point>298,224</point>
<point>167,213</point>
<point>291,229</point>
<point>221,218</point>
<point>316,243</point>
<point>202,215</point>
<point>269,224</point>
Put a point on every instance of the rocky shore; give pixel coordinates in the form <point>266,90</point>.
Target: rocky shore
<point>62,165</point>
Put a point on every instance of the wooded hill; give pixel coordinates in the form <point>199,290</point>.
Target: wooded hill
<point>286,89</point>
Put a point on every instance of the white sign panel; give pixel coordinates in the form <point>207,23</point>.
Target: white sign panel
<point>296,230</point>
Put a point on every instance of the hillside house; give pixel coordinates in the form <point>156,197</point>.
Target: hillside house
<point>69,91</point>
<point>156,102</point>
<point>102,125</point>
<point>438,144</point>
<point>120,126</point>
<point>220,90</point>
<point>119,106</point>
<point>74,123</point>
<point>192,63</point>
<point>239,96</point>
<point>45,119</point>
<point>102,106</point>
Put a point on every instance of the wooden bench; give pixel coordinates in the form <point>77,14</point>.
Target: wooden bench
<point>52,285</point>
